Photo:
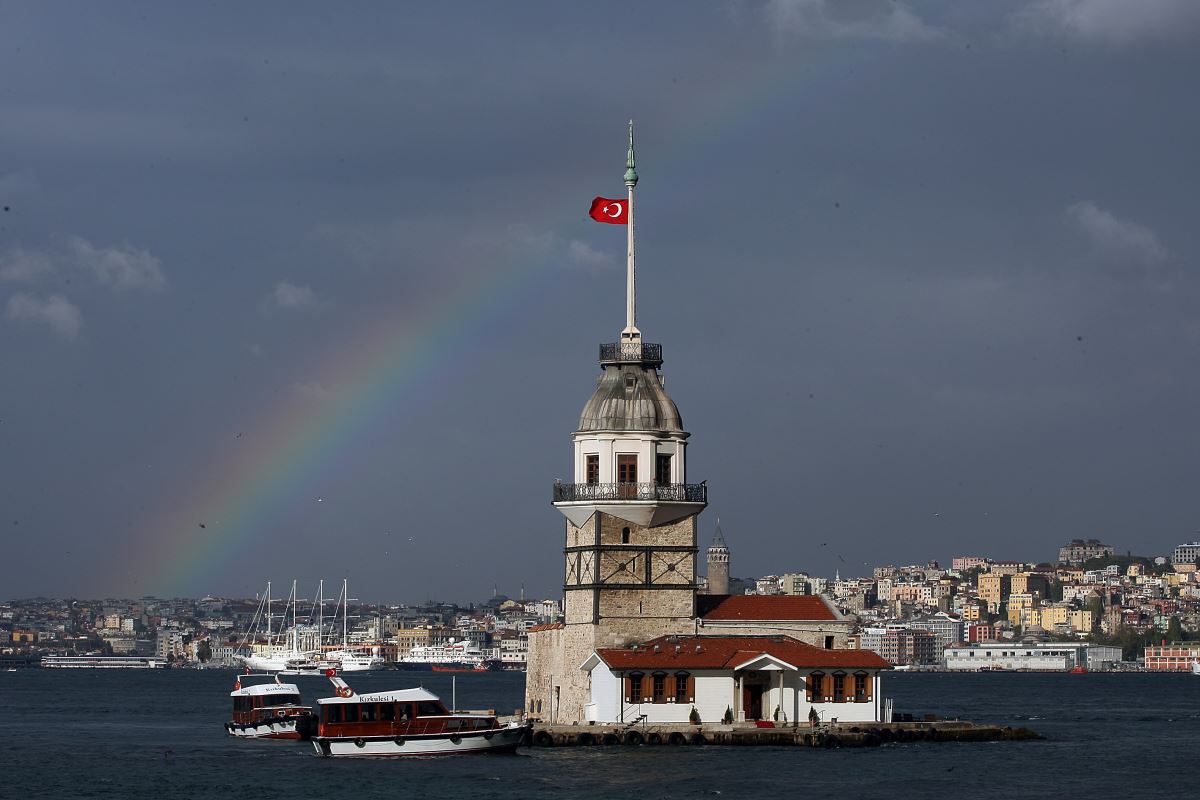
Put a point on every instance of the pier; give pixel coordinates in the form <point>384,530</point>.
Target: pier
<point>743,735</point>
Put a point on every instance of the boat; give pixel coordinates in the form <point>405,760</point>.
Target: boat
<point>406,722</point>
<point>269,710</point>
<point>1078,669</point>
<point>454,656</point>
<point>1195,666</point>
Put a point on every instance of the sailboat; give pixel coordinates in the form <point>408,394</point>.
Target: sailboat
<point>350,660</point>
<point>280,645</point>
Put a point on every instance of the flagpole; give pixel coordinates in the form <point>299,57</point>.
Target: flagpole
<point>631,333</point>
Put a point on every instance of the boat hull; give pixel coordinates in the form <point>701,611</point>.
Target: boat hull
<point>502,740</point>
<point>440,666</point>
<point>281,728</point>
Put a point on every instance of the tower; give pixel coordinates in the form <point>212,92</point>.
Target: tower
<point>718,564</point>
<point>630,550</point>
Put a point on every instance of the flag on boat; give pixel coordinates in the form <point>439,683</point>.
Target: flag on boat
<point>614,212</point>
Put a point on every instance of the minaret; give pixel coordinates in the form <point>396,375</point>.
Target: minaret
<point>718,564</point>
<point>630,552</point>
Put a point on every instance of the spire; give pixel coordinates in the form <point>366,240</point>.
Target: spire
<point>631,333</point>
<point>718,538</point>
<point>631,175</point>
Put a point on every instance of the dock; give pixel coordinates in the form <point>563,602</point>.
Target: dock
<point>750,735</point>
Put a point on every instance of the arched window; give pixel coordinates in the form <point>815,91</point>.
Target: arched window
<point>816,687</point>
<point>683,687</point>
<point>658,690</point>
<point>633,687</point>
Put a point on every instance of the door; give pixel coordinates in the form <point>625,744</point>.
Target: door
<point>627,476</point>
<point>752,696</point>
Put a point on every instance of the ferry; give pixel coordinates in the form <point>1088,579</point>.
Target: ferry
<point>269,710</point>
<point>103,662</point>
<point>406,722</point>
<point>453,656</point>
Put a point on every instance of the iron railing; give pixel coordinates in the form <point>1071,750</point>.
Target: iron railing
<point>667,492</point>
<point>631,352</point>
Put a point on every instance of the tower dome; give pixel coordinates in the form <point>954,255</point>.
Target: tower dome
<point>630,395</point>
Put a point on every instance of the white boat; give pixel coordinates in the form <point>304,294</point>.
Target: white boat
<point>460,656</point>
<point>1195,666</point>
<point>406,722</point>
<point>269,710</point>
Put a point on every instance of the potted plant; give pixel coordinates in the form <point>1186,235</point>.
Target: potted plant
<point>728,718</point>
<point>813,717</point>
<point>694,716</point>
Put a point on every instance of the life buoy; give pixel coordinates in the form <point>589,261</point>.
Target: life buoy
<point>360,742</point>
<point>399,740</point>
<point>488,735</point>
<point>281,713</point>
<point>456,739</point>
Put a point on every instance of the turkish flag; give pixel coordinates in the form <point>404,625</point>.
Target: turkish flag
<point>614,212</point>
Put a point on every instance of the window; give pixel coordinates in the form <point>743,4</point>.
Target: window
<point>828,642</point>
<point>839,687</point>
<point>387,712</point>
<point>633,688</point>
<point>350,712</point>
<point>369,712</point>
<point>332,712</point>
<point>860,686</point>
<point>662,468</point>
<point>627,469</point>
<point>683,689</point>
<point>659,692</point>
<point>428,708</point>
<point>593,468</point>
<point>816,687</point>
<point>625,536</point>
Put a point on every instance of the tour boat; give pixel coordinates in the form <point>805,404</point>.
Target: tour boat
<point>1195,666</point>
<point>405,722</point>
<point>269,710</point>
<point>453,656</point>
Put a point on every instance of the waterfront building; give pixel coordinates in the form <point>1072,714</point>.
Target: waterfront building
<point>1172,657</point>
<point>1078,551</point>
<point>906,646</point>
<point>751,677</point>
<point>631,533</point>
<point>1036,657</point>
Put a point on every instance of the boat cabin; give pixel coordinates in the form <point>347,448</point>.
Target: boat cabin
<point>253,703</point>
<point>407,712</point>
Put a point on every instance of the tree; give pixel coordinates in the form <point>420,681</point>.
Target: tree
<point>1174,630</point>
<point>204,651</point>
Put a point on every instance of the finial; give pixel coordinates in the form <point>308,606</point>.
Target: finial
<point>631,176</point>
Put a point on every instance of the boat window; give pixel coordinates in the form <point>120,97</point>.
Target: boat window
<point>351,712</point>
<point>284,699</point>
<point>454,724</point>
<point>369,712</point>
<point>482,724</point>
<point>429,708</point>
<point>241,704</point>
<point>332,712</point>
<point>387,712</point>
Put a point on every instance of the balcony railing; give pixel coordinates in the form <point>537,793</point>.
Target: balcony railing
<point>667,492</point>
<point>631,353</point>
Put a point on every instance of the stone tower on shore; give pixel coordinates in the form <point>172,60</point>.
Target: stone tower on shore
<point>630,549</point>
<point>718,564</point>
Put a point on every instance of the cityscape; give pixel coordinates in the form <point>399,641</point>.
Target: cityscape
<point>1089,608</point>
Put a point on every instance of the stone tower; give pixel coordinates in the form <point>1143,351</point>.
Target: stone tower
<point>630,551</point>
<point>718,564</point>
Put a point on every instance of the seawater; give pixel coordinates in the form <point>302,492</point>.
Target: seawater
<point>157,734</point>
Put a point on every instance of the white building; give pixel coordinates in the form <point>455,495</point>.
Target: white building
<point>1186,553</point>
<point>1042,656</point>
<point>750,677</point>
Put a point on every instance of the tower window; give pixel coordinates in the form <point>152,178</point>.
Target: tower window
<point>593,468</point>
<point>627,469</point>
<point>625,536</point>
<point>662,468</point>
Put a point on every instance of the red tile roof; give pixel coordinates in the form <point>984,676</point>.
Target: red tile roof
<point>763,607</point>
<point>727,652</point>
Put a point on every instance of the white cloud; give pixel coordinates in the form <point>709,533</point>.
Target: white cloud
<point>57,312</point>
<point>888,20</point>
<point>1116,22</point>
<point>1116,237</point>
<point>289,295</point>
<point>24,266</point>
<point>124,267</point>
<point>584,255</point>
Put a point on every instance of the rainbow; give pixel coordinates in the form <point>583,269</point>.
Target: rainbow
<point>291,446</point>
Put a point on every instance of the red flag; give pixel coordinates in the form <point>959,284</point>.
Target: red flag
<point>614,212</point>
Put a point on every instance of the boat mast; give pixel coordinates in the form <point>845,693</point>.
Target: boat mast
<point>268,614</point>
<point>345,605</point>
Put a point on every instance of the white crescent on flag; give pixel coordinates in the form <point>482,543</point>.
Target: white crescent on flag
<point>616,209</point>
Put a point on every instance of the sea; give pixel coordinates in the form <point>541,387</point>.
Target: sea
<point>157,734</point>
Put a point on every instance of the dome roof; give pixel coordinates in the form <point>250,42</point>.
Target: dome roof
<point>630,397</point>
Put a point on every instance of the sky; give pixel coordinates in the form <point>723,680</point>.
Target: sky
<point>289,291</point>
